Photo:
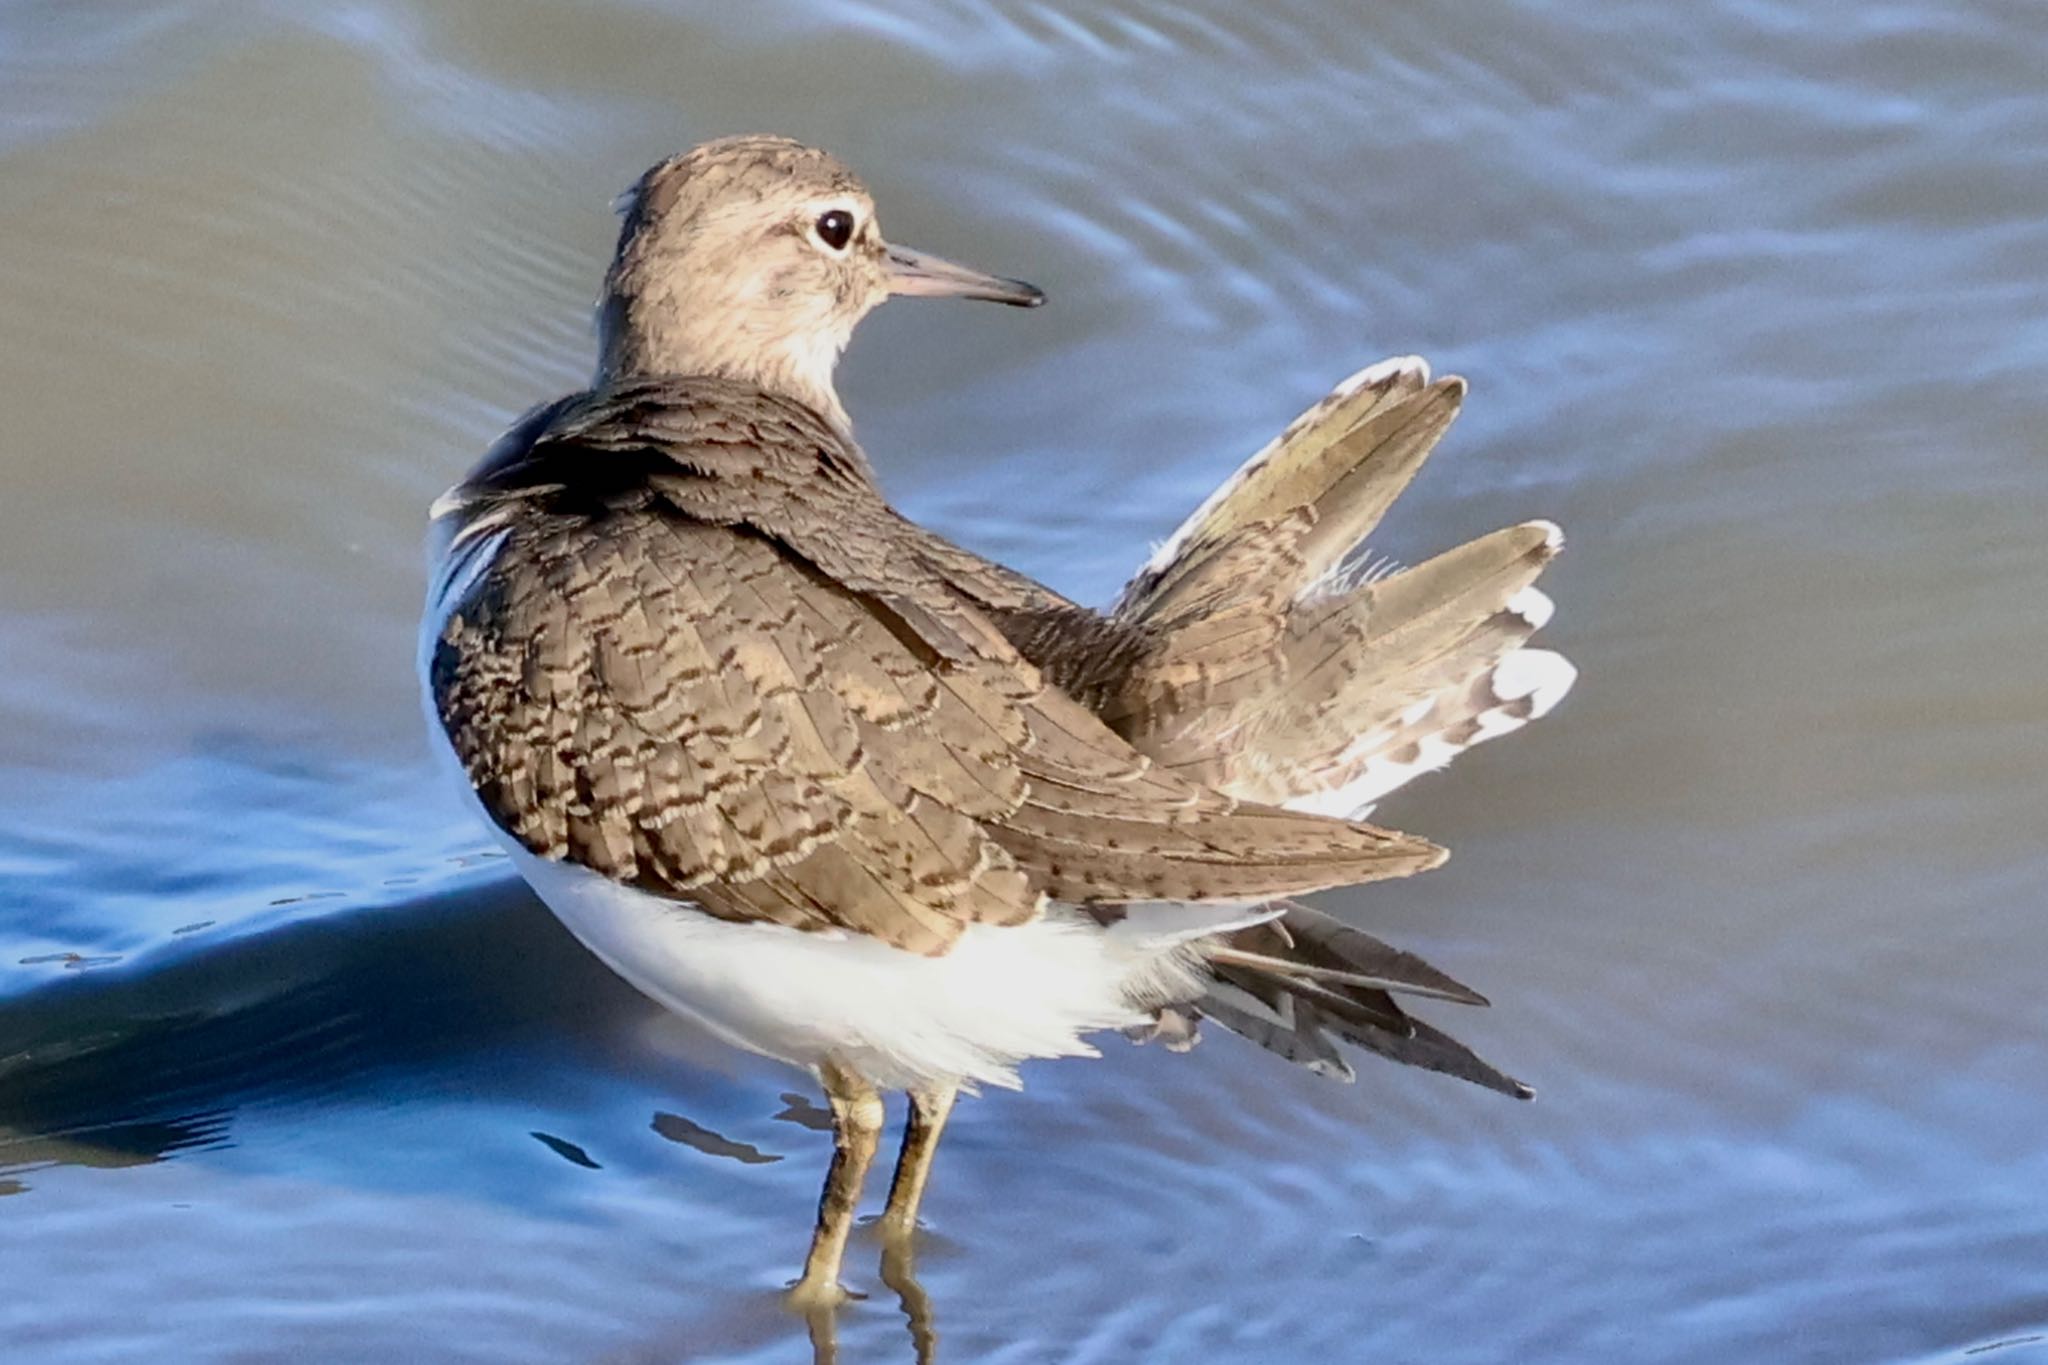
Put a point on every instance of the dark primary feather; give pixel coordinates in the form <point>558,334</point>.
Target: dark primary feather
<point>1318,980</point>
<point>708,660</point>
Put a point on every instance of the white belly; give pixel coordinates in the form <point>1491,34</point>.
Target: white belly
<point>1000,996</point>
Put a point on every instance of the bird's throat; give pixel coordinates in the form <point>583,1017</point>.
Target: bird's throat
<point>643,338</point>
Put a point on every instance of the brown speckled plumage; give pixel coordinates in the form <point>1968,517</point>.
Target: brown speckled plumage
<point>707,659</point>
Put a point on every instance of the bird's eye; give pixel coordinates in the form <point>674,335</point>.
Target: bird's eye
<point>835,228</point>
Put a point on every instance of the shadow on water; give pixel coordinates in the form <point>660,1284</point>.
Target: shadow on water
<point>117,1067</point>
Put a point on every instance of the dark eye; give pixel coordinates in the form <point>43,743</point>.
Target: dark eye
<point>835,229</point>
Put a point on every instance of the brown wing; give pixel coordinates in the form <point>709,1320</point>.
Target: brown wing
<point>730,684</point>
<point>679,707</point>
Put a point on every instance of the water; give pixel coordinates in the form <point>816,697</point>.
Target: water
<point>1754,298</point>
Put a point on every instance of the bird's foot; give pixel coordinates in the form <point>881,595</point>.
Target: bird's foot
<point>818,1294</point>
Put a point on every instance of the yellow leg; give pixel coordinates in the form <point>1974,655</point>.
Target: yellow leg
<point>929,1110</point>
<point>856,1130</point>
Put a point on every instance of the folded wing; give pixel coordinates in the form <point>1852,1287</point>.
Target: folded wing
<point>707,668</point>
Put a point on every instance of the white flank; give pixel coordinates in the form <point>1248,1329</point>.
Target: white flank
<point>1001,996</point>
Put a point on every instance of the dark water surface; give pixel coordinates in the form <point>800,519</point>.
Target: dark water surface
<point>1754,299</point>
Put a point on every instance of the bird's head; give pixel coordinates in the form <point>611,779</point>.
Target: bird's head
<point>754,258</point>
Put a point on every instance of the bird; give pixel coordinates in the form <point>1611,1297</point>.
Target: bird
<point>850,796</point>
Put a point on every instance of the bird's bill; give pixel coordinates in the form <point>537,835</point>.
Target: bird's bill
<point>918,274</point>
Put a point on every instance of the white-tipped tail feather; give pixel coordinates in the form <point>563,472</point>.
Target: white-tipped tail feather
<point>1522,687</point>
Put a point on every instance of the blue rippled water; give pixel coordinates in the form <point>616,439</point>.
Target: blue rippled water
<point>1754,299</point>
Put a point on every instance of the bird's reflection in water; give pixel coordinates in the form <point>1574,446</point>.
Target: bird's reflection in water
<point>899,1273</point>
<point>106,1145</point>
